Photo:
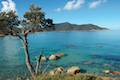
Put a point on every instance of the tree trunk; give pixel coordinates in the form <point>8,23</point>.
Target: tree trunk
<point>27,57</point>
<point>38,64</point>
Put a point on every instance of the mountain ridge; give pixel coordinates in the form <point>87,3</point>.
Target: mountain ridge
<point>66,26</point>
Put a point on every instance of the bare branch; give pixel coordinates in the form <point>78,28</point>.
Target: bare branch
<point>38,63</point>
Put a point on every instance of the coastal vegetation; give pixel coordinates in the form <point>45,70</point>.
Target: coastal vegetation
<point>75,77</point>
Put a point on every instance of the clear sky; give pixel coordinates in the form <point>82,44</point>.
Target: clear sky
<point>105,13</point>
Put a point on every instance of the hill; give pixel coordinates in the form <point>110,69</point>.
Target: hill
<point>4,30</point>
<point>84,27</point>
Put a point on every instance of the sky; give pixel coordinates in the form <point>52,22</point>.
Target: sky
<point>105,13</point>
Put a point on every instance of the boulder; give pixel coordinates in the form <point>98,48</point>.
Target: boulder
<point>59,55</point>
<point>59,70</point>
<point>53,57</point>
<point>43,59</point>
<point>56,71</point>
<point>73,70</point>
<point>52,73</point>
<point>56,56</point>
<point>107,71</point>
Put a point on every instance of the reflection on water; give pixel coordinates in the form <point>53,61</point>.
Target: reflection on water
<point>9,57</point>
<point>10,51</point>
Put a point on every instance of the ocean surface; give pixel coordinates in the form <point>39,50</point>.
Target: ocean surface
<point>93,52</point>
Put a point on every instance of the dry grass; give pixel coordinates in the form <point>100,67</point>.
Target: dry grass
<point>76,77</point>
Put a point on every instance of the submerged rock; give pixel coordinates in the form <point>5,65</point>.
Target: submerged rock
<point>112,72</point>
<point>107,65</point>
<point>87,62</point>
<point>73,70</point>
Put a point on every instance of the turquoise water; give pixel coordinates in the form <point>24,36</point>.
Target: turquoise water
<point>93,52</point>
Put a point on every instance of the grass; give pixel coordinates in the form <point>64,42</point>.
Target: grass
<point>75,77</point>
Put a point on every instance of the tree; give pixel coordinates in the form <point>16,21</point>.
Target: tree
<point>13,20</point>
<point>50,25</point>
<point>35,17</point>
<point>9,20</point>
<point>3,22</point>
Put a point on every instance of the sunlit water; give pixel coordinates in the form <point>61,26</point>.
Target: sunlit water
<point>93,52</point>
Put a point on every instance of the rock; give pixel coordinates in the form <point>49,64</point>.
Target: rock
<point>43,59</point>
<point>59,55</point>
<point>52,73</point>
<point>59,70</point>
<point>107,71</point>
<point>53,57</point>
<point>56,71</point>
<point>56,56</point>
<point>112,72</point>
<point>73,70</point>
<point>106,78</point>
<point>115,73</point>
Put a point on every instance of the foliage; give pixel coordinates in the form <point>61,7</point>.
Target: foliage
<point>8,21</point>
<point>35,19</point>
<point>35,15</point>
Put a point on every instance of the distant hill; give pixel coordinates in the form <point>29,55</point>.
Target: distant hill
<point>84,27</point>
<point>57,27</point>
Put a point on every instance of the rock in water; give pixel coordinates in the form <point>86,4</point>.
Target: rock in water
<point>73,70</point>
<point>59,55</point>
<point>52,57</point>
<point>107,71</point>
<point>43,59</point>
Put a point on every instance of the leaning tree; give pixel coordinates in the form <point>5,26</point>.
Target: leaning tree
<point>34,20</point>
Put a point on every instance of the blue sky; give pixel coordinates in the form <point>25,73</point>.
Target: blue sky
<point>105,13</point>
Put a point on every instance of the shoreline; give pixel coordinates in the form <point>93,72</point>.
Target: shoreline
<point>3,35</point>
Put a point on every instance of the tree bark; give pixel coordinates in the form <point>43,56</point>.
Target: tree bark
<point>27,57</point>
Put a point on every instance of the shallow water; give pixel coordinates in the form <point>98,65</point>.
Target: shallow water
<point>92,51</point>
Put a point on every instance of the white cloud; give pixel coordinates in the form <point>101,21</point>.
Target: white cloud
<point>73,4</point>
<point>58,9</point>
<point>96,3</point>
<point>8,5</point>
